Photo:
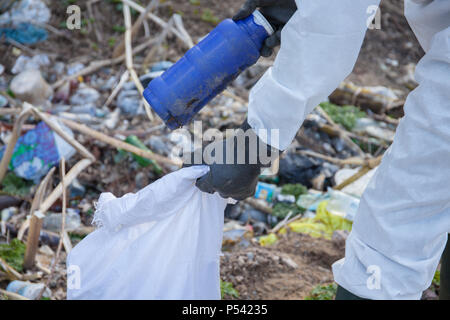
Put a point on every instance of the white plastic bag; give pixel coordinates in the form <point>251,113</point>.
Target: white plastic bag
<point>163,242</point>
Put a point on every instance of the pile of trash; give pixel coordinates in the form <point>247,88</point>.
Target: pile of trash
<point>60,112</point>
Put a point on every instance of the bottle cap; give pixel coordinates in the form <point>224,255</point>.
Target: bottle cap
<point>262,21</point>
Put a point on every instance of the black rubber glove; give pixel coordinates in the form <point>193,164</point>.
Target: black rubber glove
<point>235,180</point>
<point>277,12</point>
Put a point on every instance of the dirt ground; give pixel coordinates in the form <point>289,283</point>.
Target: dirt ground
<point>287,270</point>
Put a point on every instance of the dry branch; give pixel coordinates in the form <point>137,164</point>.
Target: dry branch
<point>12,295</point>
<point>372,163</point>
<point>349,94</point>
<point>10,271</point>
<point>120,47</point>
<point>26,111</point>
<point>164,161</point>
<point>129,59</point>
<point>159,22</point>
<point>35,222</point>
<point>62,174</point>
<point>96,65</point>
<point>71,175</point>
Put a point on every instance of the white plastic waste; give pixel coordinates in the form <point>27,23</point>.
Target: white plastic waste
<point>163,242</point>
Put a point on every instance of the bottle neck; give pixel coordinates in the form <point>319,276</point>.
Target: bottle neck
<point>257,27</point>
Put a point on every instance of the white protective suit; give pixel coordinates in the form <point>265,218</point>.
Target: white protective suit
<point>401,227</point>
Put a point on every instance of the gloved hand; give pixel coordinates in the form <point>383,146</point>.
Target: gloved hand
<point>277,12</point>
<point>236,177</point>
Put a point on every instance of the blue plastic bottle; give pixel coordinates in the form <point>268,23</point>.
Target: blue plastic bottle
<point>207,69</point>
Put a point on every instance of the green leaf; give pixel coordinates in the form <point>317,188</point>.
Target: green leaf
<point>118,28</point>
<point>15,185</point>
<point>226,289</point>
<point>323,292</point>
<point>345,116</point>
<point>13,253</point>
<point>437,278</point>
<point>294,189</point>
<point>281,210</point>
<point>208,16</point>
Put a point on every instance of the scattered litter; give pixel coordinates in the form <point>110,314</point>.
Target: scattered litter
<point>3,101</point>
<point>29,86</point>
<point>24,63</point>
<point>39,150</point>
<point>25,33</point>
<point>312,199</point>
<point>161,66</point>
<point>374,129</point>
<point>342,204</point>
<point>285,198</point>
<point>84,95</point>
<point>265,191</point>
<point>74,68</point>
<point>27,289</point>
<point>133,140</point>
<point>236,235</point>
<point>378,98</point>
<point>322,225</point>
<point>53,221</point>
<point>296,168</point>
<point>8,213</point>
<point>129,102</point>
<point>268,240</point>
<point>26,11</point>
<point>356,188</point>
<point>253,214</point>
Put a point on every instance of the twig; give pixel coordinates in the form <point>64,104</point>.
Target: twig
<point>35,222</point>
<point>10,271</point>
<point>356,161</point>
<point>129,59</point>
<point>54,126</point>
<point>158,21</point>
<point>384,118</point>
<point>70,176</point>
<point>337,130</point>
<point>9,111</point>
<point>21,46</point>
<point>92,16</point>
<point>13,140</point>
<point>120,144</point>
<point>231,95</point>
<point>62,170</point>
<point>120,48</point>
<point>178,20</point>
<point>96,65</point>
<point>281,224</point>
<point>158,44</point>
<point>348,93</point>
<point>361,172</point>
<point>12,295</point>
<point>124,78</point>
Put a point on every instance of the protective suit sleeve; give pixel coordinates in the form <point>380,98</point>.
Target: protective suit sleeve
<point>401,227</point>
<point>319,47</point>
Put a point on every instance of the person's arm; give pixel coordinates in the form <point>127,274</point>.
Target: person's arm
<point>319,47</point>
